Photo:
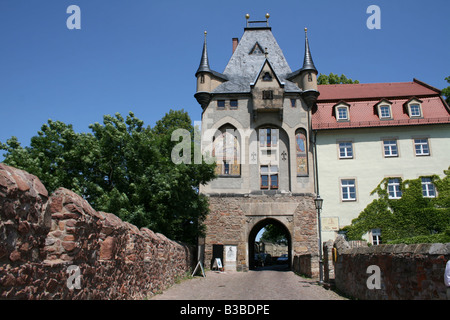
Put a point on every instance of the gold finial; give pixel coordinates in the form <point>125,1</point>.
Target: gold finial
<point>267,15</point>
<point>247,16</point>
<point>306,29</point>
<point>206,32</point>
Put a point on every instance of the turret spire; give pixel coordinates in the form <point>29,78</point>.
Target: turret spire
<point>308,63</point>
<point>204,62</point>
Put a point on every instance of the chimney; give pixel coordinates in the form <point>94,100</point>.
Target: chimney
<point>235,43</point>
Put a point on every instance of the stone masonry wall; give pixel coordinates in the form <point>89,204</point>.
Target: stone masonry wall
<point>59,247</point>
<point>232,218</point>
<point>407,272</point>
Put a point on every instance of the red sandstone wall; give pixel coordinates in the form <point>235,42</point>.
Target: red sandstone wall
<point>407,272</point>
<point>43,237</point>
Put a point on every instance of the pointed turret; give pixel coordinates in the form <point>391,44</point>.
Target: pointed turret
<point>204,62</point>
<point>207,79</point>
<point>308,63</point>
<point>308,77</point>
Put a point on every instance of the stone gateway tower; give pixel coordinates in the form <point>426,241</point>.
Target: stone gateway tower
<point>256,125</point>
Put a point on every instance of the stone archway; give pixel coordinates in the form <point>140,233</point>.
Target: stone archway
<point>252,237</point>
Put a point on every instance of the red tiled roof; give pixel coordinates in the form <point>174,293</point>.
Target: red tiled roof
<point>374,90</point>
<point>362,99</point>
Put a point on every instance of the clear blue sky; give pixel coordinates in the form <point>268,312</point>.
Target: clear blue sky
<point>142,55</point>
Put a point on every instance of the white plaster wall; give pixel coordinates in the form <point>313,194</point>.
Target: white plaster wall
<point>369,166</point>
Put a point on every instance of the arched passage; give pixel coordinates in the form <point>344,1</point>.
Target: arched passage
<point>252,237</point>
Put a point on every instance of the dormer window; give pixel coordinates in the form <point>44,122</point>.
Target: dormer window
<point>384,109</point>
<point>342,111</point>
<point>414,108</point>
<point>257,49</point>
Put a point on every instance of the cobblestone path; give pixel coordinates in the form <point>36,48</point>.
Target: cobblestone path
<point>252,285</point>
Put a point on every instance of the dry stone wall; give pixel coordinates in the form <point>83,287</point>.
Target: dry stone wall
<point>59,247</point>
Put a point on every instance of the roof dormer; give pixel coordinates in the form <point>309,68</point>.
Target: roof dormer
<point>342,111</point>
<point>413,108</point>
<point>384,109</point>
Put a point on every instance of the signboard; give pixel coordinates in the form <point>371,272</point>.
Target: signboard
<point>217,264</point>
<point>330,224</point>
<point>230,253</point>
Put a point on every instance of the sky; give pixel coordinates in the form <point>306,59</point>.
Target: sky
<point>141,55</point>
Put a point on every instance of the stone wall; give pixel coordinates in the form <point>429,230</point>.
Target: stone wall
<point>306,265</point>
<point>407,272</point>
<point>59,247</point>
<point>235,220</point>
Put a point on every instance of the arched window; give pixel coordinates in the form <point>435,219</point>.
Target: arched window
<point>227,152</point>
<point>301,149</point>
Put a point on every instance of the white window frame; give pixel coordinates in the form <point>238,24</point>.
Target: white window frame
<point>385,107</point>
<point>419,149</point>
<point>388,150</point>
<point>345,149</point>
<point>376,236</point>
<point>428,188</point>
<point>338,113</point>
<point>412,113</point>
<point>414,102</point>
<point>346,189</point>
<point>394,191</point>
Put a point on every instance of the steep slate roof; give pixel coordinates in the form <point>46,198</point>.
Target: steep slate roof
<point>363,98</point>
<point>243,67</point>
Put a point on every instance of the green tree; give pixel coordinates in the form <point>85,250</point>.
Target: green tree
<point>410,216</point>
<point>446,91</point>
<point>334,79</point>
<point>274,234</point>
<point>122,167</point>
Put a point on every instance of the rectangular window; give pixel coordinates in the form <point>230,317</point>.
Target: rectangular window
<point>421,146</point>
<point>342,113</point>
<point>428,189</point>
<point>348,189</point>
<point>394,189</point>
<point>233,104</point>
<point>267,94</point>
<point>345,150</point>
<point>385,112</point>
<point>390,148</point>
<point>376,236</point>
<point>414,110</point>
<point>269,177</point>
<point>268,138</point>
<point>221,104</point>
<point>293,103</point>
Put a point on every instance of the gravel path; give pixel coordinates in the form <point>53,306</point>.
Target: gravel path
<point>252,285</point>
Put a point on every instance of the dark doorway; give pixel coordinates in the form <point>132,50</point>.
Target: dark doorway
<point>255,259</point>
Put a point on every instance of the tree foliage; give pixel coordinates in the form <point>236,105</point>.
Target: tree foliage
<point>122,167</point>
<point>446,91</point>
<point>410,216</point>
<point>274,233</point>
<point>334,79</point>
